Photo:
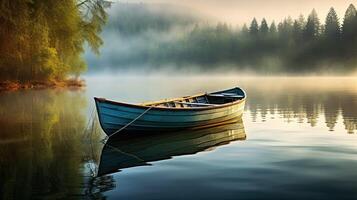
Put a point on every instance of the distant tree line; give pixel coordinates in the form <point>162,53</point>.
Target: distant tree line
<point>43,40</point>
<point>300,45</point>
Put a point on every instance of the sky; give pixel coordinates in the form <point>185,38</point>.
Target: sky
<point>242,11</point>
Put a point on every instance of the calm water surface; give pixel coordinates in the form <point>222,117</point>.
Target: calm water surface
<point>297,139</point>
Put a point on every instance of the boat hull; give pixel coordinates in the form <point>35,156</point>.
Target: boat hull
<point>113,116</point>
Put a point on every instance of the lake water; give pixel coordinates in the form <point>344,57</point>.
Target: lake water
<point>297,139</point>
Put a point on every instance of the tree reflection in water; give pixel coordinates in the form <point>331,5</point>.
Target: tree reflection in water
<point>41,146</point>
<point>304,100</point>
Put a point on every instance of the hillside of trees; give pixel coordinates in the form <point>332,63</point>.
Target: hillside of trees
<point>300,45</point>
<point>43,40</point>
<point>303,45</point>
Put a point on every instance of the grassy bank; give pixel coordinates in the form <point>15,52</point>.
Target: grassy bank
<point>14,85</point>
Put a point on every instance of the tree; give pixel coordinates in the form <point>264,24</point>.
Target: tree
<point>298,28</point>
<point>14,39</point>
<point>264,29</point>
<point>285,29</point>
<point>301,21</point>
<point>254,28</point>
<point>312,28</point>
<point>349,35</point>
<point>245,30</point>
<point>94,18</point>
<point>349,23</point>
<point>272,29</point>
<point>332,26</point>
<point>43,40</point>
<point>222,28</point>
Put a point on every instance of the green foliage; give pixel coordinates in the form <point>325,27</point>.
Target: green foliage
<point>254,28</point>
<point>43,40</point>
<point>48,64</point>
<point>349,35</point>
<point>264,29</point>
<point>332,25</point>
<point>298,28</point>
<point>312,29</point>
<point>285,29</point>
<point>349,22</point>
<point>245,30</point>
<point>272,29</point>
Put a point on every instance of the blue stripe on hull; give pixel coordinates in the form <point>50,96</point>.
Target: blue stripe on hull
<point>166,116</point>
<point>136,111</point>
<point>112,119</point>
<point>143,124</point>
<point>158,129</point>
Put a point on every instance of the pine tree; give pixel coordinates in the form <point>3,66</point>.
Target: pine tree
<point>298,27</point>
<point>297,30</point>
<point>312,28</point>
<point>349,23</point>
<point>272,29</point>
<point>245,30</point>
<point>285,29</point>
<point>332,26</point>
<point>280,27</point>
<point>264,29</point>
<point>254,28</point>
<point>301,20</point>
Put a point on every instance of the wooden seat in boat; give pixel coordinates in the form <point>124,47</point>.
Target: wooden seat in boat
<point>195,104</point>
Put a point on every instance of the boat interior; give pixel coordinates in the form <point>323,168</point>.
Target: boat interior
<point>203,100</point>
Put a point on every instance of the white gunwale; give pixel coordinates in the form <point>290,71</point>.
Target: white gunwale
<point>153,104</point>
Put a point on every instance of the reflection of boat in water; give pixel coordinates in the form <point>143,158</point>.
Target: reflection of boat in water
<point>133,150</point>
<point>171,115</point>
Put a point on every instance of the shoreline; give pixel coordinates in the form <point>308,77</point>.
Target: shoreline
<point>15,85</point>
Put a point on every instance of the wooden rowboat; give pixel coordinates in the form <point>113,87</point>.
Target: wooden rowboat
<point>132,150</point>
<point>201,110</point>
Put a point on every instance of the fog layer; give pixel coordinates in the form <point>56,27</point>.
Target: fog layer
<point>152,37</point>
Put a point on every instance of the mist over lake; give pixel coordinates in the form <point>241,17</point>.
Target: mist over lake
<point>167,37</point>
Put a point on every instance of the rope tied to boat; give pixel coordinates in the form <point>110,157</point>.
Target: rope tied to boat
<point>88,134</point>
<point>128,124</point>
